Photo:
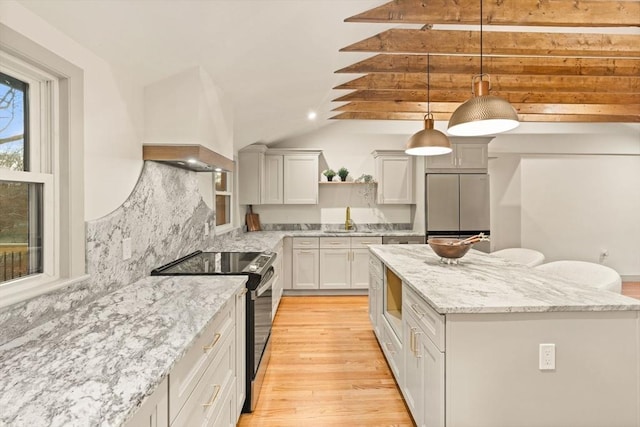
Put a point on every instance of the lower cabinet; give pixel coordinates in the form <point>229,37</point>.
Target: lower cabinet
<point>155,411</point>
<point>206,387</point>
<point>423,387</point>
<point>344,262</point>
<point>375,293</point>
<point>305,263</point>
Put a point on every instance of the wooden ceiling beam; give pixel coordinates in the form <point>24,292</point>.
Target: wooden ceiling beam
<point>584,13</point>
<point>552,66</point>
<point>511,83</point>
<point>521,108</point>
<point>534,97</point>
<point>567,118</point>
<point>501,43</point>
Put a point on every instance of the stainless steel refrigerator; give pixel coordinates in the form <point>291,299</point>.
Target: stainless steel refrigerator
<point>457,205</point>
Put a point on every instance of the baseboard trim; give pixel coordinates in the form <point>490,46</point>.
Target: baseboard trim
<point>630,278</point>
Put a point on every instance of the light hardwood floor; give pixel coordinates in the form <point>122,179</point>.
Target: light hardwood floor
<point>631,289</point>
<point>326,369</point>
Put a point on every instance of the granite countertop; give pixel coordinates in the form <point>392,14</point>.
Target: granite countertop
<point>485,284</point>
<point>267,240</point>
<point>96,364</point>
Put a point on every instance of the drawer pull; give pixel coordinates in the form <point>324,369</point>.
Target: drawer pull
<point>216,337</point>
<point>414,307</point>
<point>216,390</point>
<point>390,348</point>
<point>416,353</point>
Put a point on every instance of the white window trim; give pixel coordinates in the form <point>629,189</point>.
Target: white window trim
<point>61,171</point>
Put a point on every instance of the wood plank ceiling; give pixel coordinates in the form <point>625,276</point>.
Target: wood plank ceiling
<point>548,76</point>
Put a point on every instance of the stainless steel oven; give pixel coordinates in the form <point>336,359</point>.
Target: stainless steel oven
<point>258,266</point>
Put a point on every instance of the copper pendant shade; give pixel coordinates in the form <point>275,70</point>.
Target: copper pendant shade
<point>428,142</point>
<point>483,114</point>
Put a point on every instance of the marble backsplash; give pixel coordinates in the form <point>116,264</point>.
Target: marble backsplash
<point>361,227</point>
<point>164,217</point>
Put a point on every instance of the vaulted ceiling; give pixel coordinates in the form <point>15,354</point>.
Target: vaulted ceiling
<point>554,60</point>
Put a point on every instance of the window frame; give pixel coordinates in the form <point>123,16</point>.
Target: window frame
<point>229,192</point>
<point>61,165</point>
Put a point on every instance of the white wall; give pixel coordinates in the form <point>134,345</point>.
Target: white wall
<point>112,114</point>
<point>350,146</point>
<point>569,196</point>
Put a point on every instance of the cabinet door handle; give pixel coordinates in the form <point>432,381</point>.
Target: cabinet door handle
<point>390,348</point>
<point>216,337</point>
<point>411,346</point>
<point>414,307</point>
<point>242,292</point>
<point>415,343</point>
<point>216,390</point>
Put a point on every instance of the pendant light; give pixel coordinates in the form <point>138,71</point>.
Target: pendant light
<point>428,142</point>
<point>483,114</point>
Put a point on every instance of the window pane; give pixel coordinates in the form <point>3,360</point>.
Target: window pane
<point>20,229</point>
<point>13,123</point>
<point>223,210</point>
<point>221,181</point>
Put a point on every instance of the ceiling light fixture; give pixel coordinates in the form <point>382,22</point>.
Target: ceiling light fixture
<point>428,142</point>
<point>483,114</point>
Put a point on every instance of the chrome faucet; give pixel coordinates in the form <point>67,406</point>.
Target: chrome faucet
<point>348,224</point>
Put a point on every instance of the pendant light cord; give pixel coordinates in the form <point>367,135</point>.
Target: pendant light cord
<point>481,38</point>
<point>428,84</point>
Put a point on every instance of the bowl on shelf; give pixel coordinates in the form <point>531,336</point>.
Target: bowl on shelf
<point>449,248</point>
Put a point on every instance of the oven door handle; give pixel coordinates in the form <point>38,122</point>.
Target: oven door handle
<point>266,283</point>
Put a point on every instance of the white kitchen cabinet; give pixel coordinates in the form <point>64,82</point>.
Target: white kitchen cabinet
<point>240,357</point>
<point>344,262</point>
<point>423,348</point>
<point>463,157</point>
<point>376,280</point>
<point>273,180</point>
<point>250,174</point>
<point>268,176</point>
<point>301,179</point>
<point>394,172</point>
<point>305,263</point>
<point>335,268</point>
<point>278,281</point>
<point>155,410</point>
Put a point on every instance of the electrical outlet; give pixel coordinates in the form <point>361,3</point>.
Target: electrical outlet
<point>206,228</point>
<point>547,357</point>
<point>126,248</point>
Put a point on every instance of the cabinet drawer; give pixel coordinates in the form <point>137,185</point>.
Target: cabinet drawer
<point>429,320</point>
<point>392,350</point>
<point>208,398</point>
<point>375,266</point>
<point>364,242</point>
<point>185,375</point>
<point>306,242</point>
<point>334,242</point>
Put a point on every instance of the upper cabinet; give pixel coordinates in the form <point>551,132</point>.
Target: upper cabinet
<point>465,157</point>
<point>278,176</point>
<point>394,172</point>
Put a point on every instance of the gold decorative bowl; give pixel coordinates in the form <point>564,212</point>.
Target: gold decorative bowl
<point>449,248</point>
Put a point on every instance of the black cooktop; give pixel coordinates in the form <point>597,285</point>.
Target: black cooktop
<point>204,263</point>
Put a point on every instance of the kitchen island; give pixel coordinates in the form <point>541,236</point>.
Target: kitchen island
<point>491,343</point>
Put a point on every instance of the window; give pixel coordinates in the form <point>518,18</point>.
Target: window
<point>223,195</point>
<point>25,172</point>
<point>42,240</point>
